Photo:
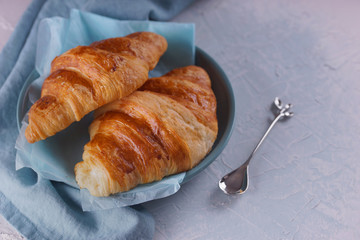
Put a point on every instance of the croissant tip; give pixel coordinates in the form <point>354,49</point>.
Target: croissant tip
<point>29,137</point>
<point>91,177</point>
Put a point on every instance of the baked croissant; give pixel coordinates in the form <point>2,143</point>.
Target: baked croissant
<point>87,77</point>
<point>166,127</point>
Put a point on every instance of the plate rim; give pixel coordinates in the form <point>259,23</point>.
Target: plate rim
<point>215,152</point>
<point>20,111</point>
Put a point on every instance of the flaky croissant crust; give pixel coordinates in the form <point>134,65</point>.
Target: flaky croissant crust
<point>87,77</point>
<point>166,127</point>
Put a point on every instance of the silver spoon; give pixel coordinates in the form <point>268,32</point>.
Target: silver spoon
<point>237,181</point>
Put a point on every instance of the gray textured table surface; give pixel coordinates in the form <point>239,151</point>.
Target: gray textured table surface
<point>305,179</point>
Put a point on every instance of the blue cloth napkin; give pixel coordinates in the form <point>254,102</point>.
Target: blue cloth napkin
<point>36,207</point>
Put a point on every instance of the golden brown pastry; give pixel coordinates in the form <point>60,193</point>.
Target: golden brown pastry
<point>166,127</point>
<point>87,77</point>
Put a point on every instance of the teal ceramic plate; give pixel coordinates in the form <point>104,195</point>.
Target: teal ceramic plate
<point>225,107</point>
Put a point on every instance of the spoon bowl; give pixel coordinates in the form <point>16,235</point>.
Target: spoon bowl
<point>236,182</point>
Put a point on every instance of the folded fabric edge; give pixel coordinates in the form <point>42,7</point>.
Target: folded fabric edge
<point>132,197</point>
<point>19,221</point>
<point>161,15</point>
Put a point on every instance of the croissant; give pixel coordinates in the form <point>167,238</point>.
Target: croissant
<point>87,77</point>
<point>166,127</point>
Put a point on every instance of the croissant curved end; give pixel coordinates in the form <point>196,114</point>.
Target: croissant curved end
<point>29,135</point>
<point>92,177</point>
